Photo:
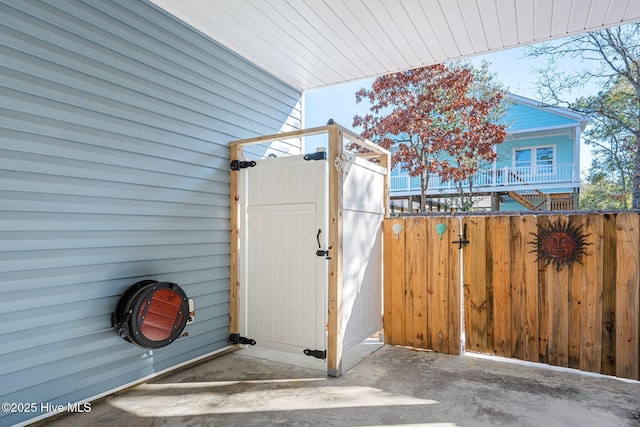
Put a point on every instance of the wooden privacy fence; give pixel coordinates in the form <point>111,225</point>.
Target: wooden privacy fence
<point>523,297</point>
<point>422,278</point>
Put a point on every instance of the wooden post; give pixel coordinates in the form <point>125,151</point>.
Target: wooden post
<point>385,162</point>
<point>335,332</point>
<point>235,153</point>
<point>495,202</point>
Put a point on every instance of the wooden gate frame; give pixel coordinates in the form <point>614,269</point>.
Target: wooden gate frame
<point>336,134</point>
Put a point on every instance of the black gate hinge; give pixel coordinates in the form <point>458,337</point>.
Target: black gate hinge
<point>318,354</point>
<point>237,339</point>
<point>236,165</point>
<point>318,155</point>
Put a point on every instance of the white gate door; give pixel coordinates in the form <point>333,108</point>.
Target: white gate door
<point>283,281</point>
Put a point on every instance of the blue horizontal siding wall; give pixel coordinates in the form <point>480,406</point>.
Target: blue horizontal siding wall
<point>520,117</point>
<point>114,130</point>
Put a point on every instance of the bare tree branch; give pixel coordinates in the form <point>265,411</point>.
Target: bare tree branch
<point>609,58</point>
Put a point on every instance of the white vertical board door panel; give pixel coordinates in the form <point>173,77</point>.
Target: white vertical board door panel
<point>363,194</point>
<point>283,281</point>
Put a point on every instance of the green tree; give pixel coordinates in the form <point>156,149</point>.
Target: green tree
<point>615,111</point>
<point>612,142</point>
<point>600,193</point>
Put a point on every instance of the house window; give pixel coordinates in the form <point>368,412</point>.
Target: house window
<point>539,159</point>
<point>523,158</point>
<point>544,160</point>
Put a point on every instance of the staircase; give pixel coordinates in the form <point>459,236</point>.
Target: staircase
<point>534,200</point>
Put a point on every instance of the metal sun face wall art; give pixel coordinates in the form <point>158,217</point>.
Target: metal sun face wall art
<point>560,243</point>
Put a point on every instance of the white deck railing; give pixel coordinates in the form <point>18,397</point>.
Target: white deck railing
<point>490,179</point>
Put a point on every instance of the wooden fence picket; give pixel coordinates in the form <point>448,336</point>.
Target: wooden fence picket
<point>627,296</point>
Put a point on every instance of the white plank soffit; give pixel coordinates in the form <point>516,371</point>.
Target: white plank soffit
<point>313,43</point>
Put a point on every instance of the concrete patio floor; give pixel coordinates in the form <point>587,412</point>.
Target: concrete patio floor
<point>393,387</point>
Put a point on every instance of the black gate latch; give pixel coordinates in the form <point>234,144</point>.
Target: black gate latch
<point>237,339</point>
<point>320,251</point>
<point>325,254</point>
<point>236,165</point>
<point>318,354</point>
<point>463,238</point>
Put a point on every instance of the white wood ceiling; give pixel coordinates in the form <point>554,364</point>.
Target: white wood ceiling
<point>313,43</point>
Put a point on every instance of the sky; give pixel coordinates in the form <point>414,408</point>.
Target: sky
<point>513,70</point>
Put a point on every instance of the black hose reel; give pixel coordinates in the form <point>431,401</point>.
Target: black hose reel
<point>152,314</point>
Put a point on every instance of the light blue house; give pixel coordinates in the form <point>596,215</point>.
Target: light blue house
<point>537,165</point>
<point>115,123</point>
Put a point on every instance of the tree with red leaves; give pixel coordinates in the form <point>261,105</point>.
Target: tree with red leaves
<point>439,119</point>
